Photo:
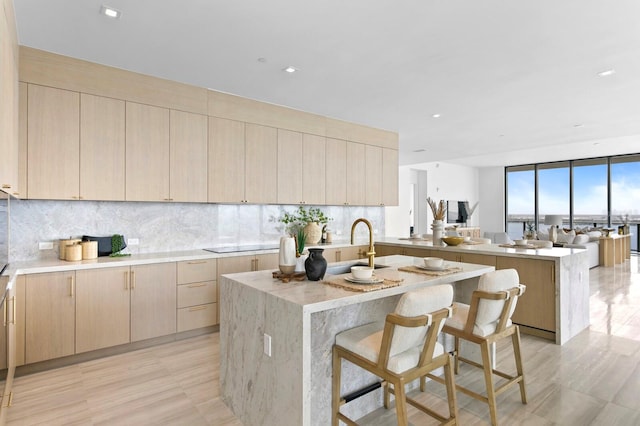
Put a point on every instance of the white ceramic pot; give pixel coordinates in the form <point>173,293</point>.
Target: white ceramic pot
<point>313,232</point>
<point>287,256</point>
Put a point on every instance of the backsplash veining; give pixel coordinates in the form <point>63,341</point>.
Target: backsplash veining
<point>163,227</point>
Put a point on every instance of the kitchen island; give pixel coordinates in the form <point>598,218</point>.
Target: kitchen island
<point>556,304</point>
<point>297,322</point>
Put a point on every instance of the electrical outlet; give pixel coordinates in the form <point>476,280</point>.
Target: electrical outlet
<point>45,245</point>
<point>267,344</point>
<point>133,241</point>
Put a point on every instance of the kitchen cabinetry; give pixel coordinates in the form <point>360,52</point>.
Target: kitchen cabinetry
<point>197,294</point>
<point>102,308</point>
<point>339,254</point>
<point>480,259</point>
<point>356,174</point>
<point>226,161</point>
<point>188,157</point>
<point>537,306</point>
<point>102,148</point>
<point>313,169</point>
<point>290,170</point>
<point>49,316</point>
<point>390,177</point>
<point>8,100</point>
<point>261,167</point>
<point>336,171</point>
<point>147,159</point>
<point>373,175</point>
<point>301,171</point>
<point>53,147</point>
<point>153,300</point>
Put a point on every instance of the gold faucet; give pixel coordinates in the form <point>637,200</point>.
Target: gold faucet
<point>371,253</point>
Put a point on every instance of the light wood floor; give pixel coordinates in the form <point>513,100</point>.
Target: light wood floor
<point>594,379</point>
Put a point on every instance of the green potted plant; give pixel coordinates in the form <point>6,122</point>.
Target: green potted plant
<point>309,220</point>
<point>530,232</point>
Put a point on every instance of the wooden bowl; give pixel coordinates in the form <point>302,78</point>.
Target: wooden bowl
<point>453,241</point>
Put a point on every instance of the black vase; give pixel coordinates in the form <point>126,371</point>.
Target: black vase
<point>315,265</point>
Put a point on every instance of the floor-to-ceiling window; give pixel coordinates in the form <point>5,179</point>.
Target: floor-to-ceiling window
<point>625,194</point>
<point>590,194</point>
<point>521,203</point>
<point>553,193</point>
<point>597,192</point>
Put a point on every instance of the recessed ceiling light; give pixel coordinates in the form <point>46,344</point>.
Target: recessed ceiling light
<point>606,73</point>
<point>436,115</point>
<point>578,125</point>
<point>110,12</point>
<point>419,150</point>
<point>290,69</point>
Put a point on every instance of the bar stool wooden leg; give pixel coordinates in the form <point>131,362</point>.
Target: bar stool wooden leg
<point>515,338</point>
<point>387,398</point>
<point>335,388</point>
<point>456,349</point>
<point>451,390</point>
<point>488,378</point>
<point>401,402</point>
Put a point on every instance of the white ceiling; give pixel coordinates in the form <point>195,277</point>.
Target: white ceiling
<point>511,79</point>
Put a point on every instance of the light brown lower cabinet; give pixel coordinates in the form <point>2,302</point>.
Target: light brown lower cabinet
<point>340,254</point>
<point>102,308</point>
<point>197,294</point>
<point>153,300</point>
<point>50,316</point>
<point>537,306</point>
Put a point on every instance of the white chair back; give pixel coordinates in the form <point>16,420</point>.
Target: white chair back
<point>415,303</point>
<point>489,311</point>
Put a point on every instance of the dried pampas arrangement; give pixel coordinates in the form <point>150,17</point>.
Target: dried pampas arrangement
<point>438,210</point>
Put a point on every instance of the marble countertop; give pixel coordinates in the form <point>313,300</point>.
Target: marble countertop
<point>314,296</point>
<point>489,249</point>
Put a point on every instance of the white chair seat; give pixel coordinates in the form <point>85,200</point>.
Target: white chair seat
<point>366,339</point>
<point>459,321</point>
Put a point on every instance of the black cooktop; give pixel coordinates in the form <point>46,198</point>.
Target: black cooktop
<point>235,249</point>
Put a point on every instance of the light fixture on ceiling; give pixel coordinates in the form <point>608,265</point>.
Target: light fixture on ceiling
<point>419,150</point>
<point>290,69</point>
<point>110,12</point>
<point>436,116</point>
<point>578,125</point>
<point>606,73</point>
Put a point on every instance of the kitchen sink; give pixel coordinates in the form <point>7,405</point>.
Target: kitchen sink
<point>345,268</point>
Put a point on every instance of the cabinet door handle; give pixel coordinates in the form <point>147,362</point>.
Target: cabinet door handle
<point>196,262</point>
<point>13,310</point>
<point>196,285</point>
<point>71,289</point>
<point>4,306</point>
<point>126,280</point>
<point>133,280</point>
<point>197,308</point>
<point>253,265</point>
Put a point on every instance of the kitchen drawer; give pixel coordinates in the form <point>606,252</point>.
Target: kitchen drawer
<point>197,316</point>
<point>196,294</point>
<point>194,271</point>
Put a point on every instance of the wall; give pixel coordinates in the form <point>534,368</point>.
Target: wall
<point>491,198</point>
<point>445,181</point>
<point>163,227</point>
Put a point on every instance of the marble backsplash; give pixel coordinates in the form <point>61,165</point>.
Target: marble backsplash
<point>162,227</point>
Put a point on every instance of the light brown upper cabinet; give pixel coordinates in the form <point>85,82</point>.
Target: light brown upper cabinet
<point>381,176</point>
<point>336,172</point>
<point>188,157</point>
<point>356,177</point>
<point>313,169</point>
<point>53,147</point>
<point>261,164</point>
<point>389,177</point>
<point>290,168</point>
<point>147,159</point>
<point>226,161</point>
<point>102,148</point>
<point>8,106</point>
<point>301,173</point>
<point>373,175</point>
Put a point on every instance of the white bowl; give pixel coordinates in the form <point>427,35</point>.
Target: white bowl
<point>521,242</point>
<point>361,272</point>
<point>467,239</point>
<point>433,262</point>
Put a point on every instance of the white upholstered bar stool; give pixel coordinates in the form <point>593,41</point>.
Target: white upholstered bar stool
<point>485,321</point>
<point>399,350</point>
